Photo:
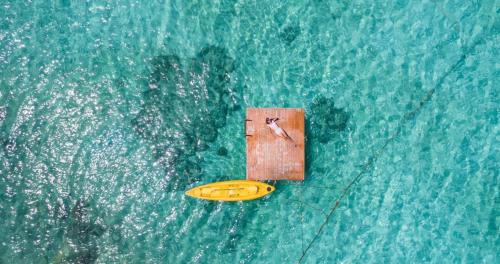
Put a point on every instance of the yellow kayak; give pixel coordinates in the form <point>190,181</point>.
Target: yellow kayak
<point>237,190</point>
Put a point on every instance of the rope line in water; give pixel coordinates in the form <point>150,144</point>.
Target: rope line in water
<point>406,118</point>
<point>304,203</point>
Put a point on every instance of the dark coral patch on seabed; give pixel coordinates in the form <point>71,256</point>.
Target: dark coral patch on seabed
<point>183,109</point>
<point>3,113</point>
<point>80,236</point>
<point>326,120</point>
<point>222,151</point>
<point>289,34</point>
<point>325,123</point>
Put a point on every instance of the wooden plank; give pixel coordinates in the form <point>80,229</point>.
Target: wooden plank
<point>270,157</point>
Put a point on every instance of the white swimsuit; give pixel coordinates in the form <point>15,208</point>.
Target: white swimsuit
<point>276,129</point>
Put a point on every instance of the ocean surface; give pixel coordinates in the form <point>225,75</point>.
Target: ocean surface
<point>110,110</point>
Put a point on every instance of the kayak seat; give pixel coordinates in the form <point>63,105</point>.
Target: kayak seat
<point>253,189</point>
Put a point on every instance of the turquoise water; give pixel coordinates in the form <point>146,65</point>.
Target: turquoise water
<point>110,110</point>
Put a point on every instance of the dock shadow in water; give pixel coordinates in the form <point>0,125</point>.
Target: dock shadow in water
<point>184,106</point>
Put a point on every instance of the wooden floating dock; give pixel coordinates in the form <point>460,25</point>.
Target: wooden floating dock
<point>270,157</point>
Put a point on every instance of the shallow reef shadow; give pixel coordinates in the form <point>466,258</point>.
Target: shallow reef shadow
<point>289,34</point>
<point>325,123</point>
<point>184,106</point>
<point>80,235</point>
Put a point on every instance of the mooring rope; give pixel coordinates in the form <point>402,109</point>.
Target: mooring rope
<point>406,118</point>
<point>310,206</point>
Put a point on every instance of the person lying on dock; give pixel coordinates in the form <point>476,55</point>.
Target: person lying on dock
<point>272,123</point>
